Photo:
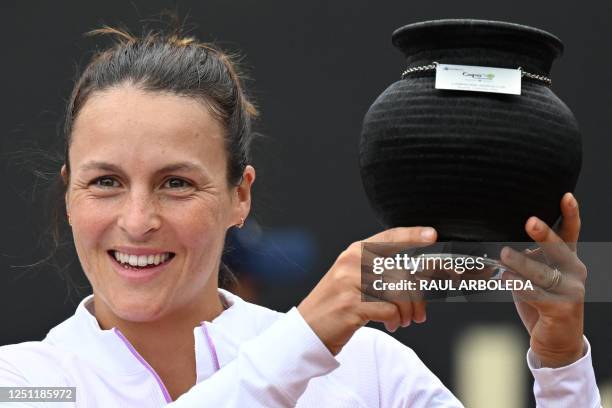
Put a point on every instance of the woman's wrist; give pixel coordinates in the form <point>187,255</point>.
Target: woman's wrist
<point>560,359</point>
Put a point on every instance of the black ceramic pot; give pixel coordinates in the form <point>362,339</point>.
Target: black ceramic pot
<point>474,165</point>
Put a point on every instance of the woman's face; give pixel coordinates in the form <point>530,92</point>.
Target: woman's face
<point>148,185</point>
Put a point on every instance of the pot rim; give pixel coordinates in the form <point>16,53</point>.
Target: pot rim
<point>415,31</point>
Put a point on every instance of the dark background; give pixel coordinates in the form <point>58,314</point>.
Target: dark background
<point>317,66</point>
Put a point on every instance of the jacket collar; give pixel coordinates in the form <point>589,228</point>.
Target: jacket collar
<point>241,322</point>
<point>81,335</point>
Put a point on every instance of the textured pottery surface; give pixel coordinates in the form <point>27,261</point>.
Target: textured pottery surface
<point>473,165</point>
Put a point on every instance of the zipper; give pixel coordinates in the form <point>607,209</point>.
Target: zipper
<point>135,353</point>
<point>211,347</point>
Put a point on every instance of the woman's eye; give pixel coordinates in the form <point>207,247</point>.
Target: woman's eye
<point>176,183</point>
<point>106,182</point>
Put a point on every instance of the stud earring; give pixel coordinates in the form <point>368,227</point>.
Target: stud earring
<point>69,222</point>
<point>241,223</point>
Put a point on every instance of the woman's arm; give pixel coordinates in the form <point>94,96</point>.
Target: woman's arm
<point>271,370</point>
<point>570,386</point>
<point>553,313</point>
<point>405,381</point>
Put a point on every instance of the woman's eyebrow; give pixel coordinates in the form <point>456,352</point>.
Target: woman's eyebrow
<point>99,165</point>
<point>180,166</point>
<point>183,166</point>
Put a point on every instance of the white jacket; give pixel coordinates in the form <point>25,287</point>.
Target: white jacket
<point>250,356</point>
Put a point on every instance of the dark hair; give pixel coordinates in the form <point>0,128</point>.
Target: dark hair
<point>166,61</point>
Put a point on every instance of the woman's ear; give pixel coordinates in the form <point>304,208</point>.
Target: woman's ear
<point>65,179</point>
<point>64,174</point>
<point>243,195</point>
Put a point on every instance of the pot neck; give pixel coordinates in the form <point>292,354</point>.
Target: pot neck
<point>475,42</point>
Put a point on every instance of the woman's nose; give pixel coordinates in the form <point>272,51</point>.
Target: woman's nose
<point>140,216</point>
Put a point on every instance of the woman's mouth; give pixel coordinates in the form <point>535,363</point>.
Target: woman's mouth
<point>139,269</point>
<point>129,261</point>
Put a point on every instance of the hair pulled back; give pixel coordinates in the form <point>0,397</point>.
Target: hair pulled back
<point>166,61</point>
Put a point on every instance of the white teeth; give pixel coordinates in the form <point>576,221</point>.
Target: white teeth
<point>133,260</point>
<point>141,260</point>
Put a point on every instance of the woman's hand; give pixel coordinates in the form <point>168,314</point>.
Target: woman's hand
<point>335,309</point>
<point>553,312</point>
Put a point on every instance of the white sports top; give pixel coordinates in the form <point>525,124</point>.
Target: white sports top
<point>251,356</point>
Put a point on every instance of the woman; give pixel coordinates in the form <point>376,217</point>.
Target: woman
<point>156,171</point>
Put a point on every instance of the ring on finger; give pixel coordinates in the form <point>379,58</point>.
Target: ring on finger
<point>554,282</point>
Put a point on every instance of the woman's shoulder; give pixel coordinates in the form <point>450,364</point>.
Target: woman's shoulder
<point>44,360</point>
<point>30,362</point>
<point>26,350</point>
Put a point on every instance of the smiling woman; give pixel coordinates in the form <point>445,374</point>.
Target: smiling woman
<point>149,181</point>
<point>155,174</point>
<point>149,178</point>
<point>156,171</point>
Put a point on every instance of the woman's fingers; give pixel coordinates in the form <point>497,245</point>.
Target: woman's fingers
<point>570,224</point>
<point>394,240</point>
<point>538,273</point>
<point>420,310</point>
<point>344,300</point>
<point>412,307</point>
<point>406,311</point>
<point>380,311</point>
<point>569,230</point>
<point>548,284</point>
<point>554,248</point>
<point>392,314</point>
<point>388,243</point>
<point>409,303</point>
<point>536,298</point>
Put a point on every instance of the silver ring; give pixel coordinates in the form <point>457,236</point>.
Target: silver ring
<point>555,279</point>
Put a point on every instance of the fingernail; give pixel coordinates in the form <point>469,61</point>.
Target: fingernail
<point>390,329</point>
<point>572,201</point>
<point>427,233</point>
<point>536,225</point>
<point>506,253</point>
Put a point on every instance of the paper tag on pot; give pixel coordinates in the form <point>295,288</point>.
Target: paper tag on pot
<point>480,79</point>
